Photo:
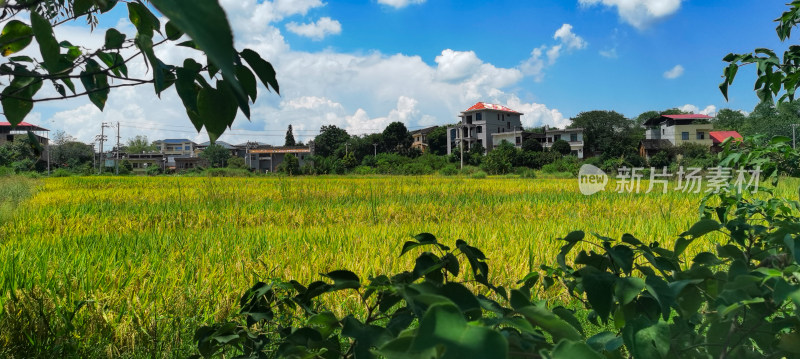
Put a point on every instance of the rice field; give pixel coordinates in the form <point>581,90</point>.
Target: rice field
<point>148,259</point>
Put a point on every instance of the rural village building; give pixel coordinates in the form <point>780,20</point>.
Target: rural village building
<point>421,138</point>
<point>667,131</point>
<point>7,134</point>
<point>479,123</point>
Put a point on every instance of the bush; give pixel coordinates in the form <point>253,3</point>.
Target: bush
<point>478,175</point>
<point>562,147</point>
<point>528,173</point>
<point>532,145</point>
<point>61,172</point>
<point>364,170</point>
<point>237,162</point>
<point>154,170</point>
<point>450,170</point>
<point>227,172</point>
<point>661,159</point>
<point>469,170</point>
<point>537,160</point>
<point>569,164</point>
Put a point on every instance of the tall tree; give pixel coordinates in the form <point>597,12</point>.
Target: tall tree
<point>139,144</point>
<point>216,155</point>
<point>728,119</point>
<point>290,137</point>
<point>329,139</point>
<point>608,132</point>
<point>212,105</point>
<point>396,138</point>
<point>437,141</point>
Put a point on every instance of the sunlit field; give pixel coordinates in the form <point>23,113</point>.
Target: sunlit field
<point>157,257</point>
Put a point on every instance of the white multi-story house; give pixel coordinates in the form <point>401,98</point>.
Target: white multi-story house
<point>478,125</point>
<point>573,136</point>
<point>679,129</point>
<point>175,147</point>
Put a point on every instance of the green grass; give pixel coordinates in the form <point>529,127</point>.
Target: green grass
<point>158,256</point>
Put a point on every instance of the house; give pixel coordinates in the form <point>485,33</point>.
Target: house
<point>184,163</point>
<point>680,129</point>
<point>573,136</point>
<point>142,161</point>
<point>234,150</point>
<point>718,137</point>
<point>478,124</point>
<point>421,138</point>
<point>175,147</point>
<point>267,158</point>
<point>8,133</point>
<point>517,137</point>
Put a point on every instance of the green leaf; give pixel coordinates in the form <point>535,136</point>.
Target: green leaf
<point>173,33</point>
<point>599,287</point>
<point>325,323</point>
<point>443,325</point>
<point>81,7</point>
<point>17,96</point>
<point>366,336</point>
<point>48,46</point>
<point>623,257</point>
<point>213,35</point>
<point>567,349</point>
<point>248,81</point>
<point>114,39</point>
<point>652,341</point>
<point>262,68</point>
<point>343,279</point>
<point>96,83</point>
<point>701,228</point>
<point>144,20</point>
<point>16,35</point>
<point>217,110</point>
<point>627,289</point>
<point>550,323</point>
<point>661,291</point>
<point>105,5</point>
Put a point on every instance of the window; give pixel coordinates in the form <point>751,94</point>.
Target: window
<point>10,138</point>
<point>479,116</point>
<point>685,136</point>
<point>519,140</point>
<point>188,148</point>
<point>453,133</point>
<point>469,119</point>
<point>701,136</point>
<point>480,129</point>
<point>556,137</point>
<point>508,125</point>
<point>573,137</point>
<point>662,131</point>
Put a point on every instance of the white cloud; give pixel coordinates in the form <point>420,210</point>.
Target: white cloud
<point>568,38</point>
<point>639,13</point>
<point>710,110</point>
<point>674,72</point>
<point>397,4</point>
<point>316,30</point>
<point>360,92</point>
<point>609,53</point>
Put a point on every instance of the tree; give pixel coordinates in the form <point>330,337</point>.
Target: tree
<point>608,132</point>
<point>216,155</point>
<point>501,160</point>
<point>396,138</point>
<point>562,147</point>
<point>532,145</point>
<point>437,141</point>
<point>236,162</point>
<point>329,139</point>
<point>212,105</point>
<point>290,165</point>
<point>728,119</point>
<point>71,154</point>
<point>290,137</point>
<point>139,144</point>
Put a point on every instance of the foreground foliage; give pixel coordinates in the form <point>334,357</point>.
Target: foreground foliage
<point>739,299</point>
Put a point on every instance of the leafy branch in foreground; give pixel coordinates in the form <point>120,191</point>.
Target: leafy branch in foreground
<point>639,300</point>
<point>211,93</point>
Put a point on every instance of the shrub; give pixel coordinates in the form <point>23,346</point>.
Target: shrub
<point>660,160</point>
<point>562,147</point>
<point>537,160</point>
<point>469,170</point>
<point>532,145</point>
<point>61,172</point>
<point>364,170</point>
<point>569,164</point>
<point>478,175</point>
<point>450,170</point>
<point>237,162</point>
<point>528,173</point>
<point>227,172</point>
<point>154,170</point>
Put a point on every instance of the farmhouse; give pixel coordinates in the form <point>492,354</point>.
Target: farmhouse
<point>718,137</point>
<point>667,131</point>
<point>421,138</point>
<point>8,133</point>
<point>268,158</point>
<point>479,123</point>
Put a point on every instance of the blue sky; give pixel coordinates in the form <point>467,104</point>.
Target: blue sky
<point>362,64</point>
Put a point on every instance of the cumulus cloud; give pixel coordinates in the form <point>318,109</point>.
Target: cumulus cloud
<point>709,110</point>
<point>674,72</point>
<point>361,92</point>
<point>316,30</point>
<point>568,38</point>
<point>639,13</point>
<point>397,4</point>
<point>609,53</point>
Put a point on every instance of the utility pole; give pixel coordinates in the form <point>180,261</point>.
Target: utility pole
<point>48,153</point>
<point>461,143</point>
<point>794,135</point>
<point>375,145</point>
<point>116,161</point>
<point>102,138</point>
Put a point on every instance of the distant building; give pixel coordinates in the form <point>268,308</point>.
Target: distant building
<point>648,148</point>
<point>421,138</point>
<point>479,123</point>
<point>234,150</point>
<point>175,147</point>
<point>573,136</point>
<point>718,137</point>
<point>517,137</point>
<point>141,162</point>
<point>7,134</point>
<point>268,158</point>
<point>680,129</point>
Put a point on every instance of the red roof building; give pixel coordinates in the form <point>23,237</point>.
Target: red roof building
<point>720,136</point>
<point>490,106</point>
